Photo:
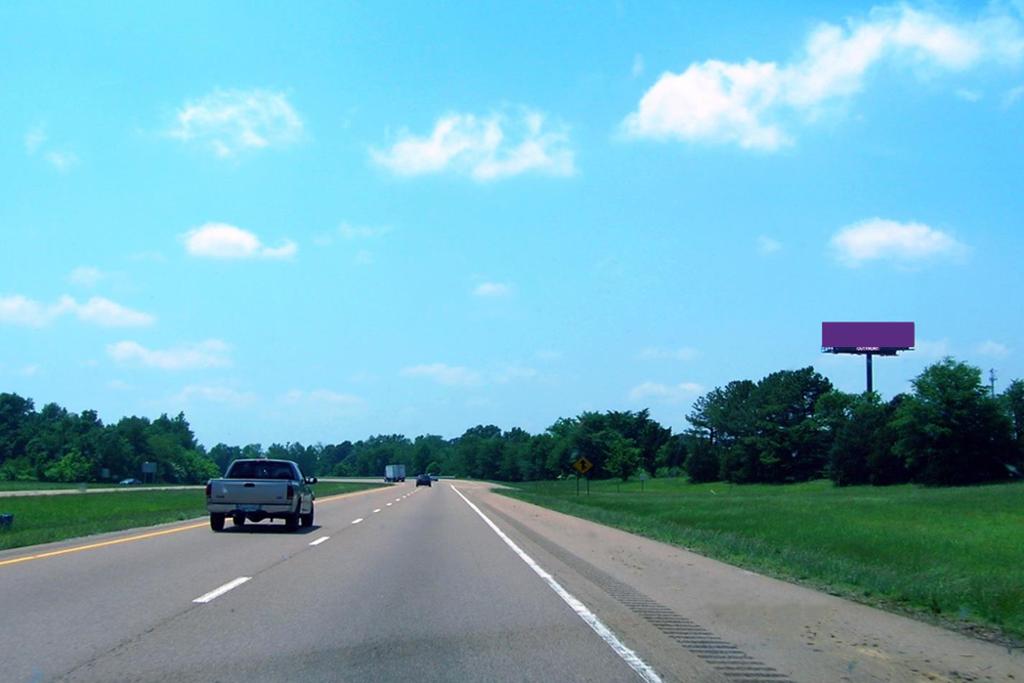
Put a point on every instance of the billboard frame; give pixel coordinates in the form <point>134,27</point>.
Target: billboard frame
<point>870,351</point>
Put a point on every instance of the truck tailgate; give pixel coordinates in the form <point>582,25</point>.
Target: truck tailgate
<point>242,492</point>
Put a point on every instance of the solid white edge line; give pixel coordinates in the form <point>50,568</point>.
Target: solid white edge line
<point>217,592</point>
<point>356,521</point>
<point>320,540</point>
<point>631,658</point>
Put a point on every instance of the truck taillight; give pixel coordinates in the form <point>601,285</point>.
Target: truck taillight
<point>291,492</point>
<point>209,490</point>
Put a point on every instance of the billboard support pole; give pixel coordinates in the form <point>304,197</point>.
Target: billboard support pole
<point>870,383</point>
<point>867,339</point>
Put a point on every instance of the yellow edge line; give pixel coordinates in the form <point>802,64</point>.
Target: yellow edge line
<point>103,544</point>
<point>139,537</point>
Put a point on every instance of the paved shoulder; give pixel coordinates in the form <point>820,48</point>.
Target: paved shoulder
<point>694,618</point>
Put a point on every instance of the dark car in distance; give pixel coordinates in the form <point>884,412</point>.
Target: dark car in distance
<point>423,480</point>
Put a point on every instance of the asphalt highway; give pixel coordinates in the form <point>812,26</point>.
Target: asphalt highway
<point>447,583</point>
<point>409,584</point>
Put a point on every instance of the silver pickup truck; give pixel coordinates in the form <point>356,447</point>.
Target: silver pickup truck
<point>256,490</point>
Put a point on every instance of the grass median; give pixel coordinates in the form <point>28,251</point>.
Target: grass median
<point>955,554</point>
<point>43,519</point>
<point>58,486</point>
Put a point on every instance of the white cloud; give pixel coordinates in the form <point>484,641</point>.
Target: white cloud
<point>447,375</point>
<point>227,242</point>
<point>62,161</point>
<point>118,385</point>
<point>492,289</point>
<point>110,314</point>
<point>232,121</point>
<point>34,139</point>
<point>766,245</point>
<point>351,232</point>
<point>486,148</point>
<point>85,276</point>
<point>749,103</point>
<point>363,257</point>
<point>208,354</point>
<point>29,370</point>
<point>637,69</point>
<point>929,348</point>
<point>1012,95</point>
<point>285,251</point>
<point>20,310</point>
<point>880,239</point>
<point>993,349</point>
<point>683,353</point>
<point>665,392</point>
<point>214,394</point>
<point>968,95</point>
<point>713,101</point>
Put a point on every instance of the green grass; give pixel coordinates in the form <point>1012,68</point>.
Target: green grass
<point>333,488</point>
<point>42,519</point>
<point>952,553</point>
<point>51,485</point>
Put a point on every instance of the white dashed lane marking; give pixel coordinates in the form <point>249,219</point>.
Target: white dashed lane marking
<point>217,592</point>
<point>356,521</point>
<point>319,540</point>
<point>377,510</point>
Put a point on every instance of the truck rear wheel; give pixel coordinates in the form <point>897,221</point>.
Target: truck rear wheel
<point>307,519</point>
<point>217,521</point>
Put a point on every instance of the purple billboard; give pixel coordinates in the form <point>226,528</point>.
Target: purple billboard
<point>867,337</point>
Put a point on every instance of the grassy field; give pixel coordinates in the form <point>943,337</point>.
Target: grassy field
<point>953,553</point>
<point>42,519</point>
<point>54,485</point>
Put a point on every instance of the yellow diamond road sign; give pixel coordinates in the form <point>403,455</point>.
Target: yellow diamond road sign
<point>582,465</point>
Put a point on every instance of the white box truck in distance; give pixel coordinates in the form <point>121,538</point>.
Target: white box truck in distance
<point>394,473</point>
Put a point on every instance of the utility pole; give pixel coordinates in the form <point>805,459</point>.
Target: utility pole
<point>992,380</point>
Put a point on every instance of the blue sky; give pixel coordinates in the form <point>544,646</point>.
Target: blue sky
<point>320,222</point>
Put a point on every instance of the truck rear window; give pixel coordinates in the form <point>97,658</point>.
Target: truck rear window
<point>260,470</point>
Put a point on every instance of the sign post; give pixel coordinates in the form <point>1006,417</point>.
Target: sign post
<point>582,466</point>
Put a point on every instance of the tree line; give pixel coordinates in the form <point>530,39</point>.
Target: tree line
<point>54,444</point>
<point>789,426</point>
<point>794,426</point>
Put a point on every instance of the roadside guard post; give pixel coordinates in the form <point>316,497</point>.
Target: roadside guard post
<point>582,466</point>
